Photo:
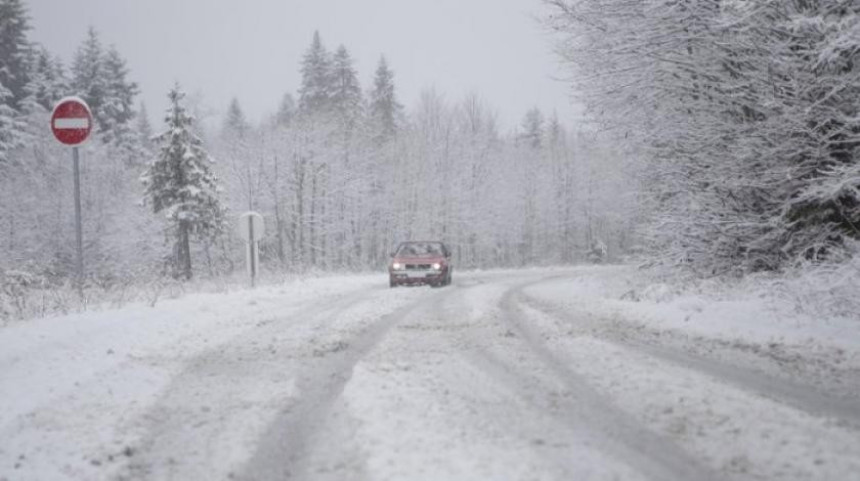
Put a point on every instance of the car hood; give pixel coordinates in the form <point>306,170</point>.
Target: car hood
<point>420,260</point>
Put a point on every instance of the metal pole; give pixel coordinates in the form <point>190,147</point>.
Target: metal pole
<point>78,228</point>
<point>253,249</point>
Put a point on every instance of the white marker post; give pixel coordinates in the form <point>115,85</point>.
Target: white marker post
<point>252,229</point>
<point>71,123</point>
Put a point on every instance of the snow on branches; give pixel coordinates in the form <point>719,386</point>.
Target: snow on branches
<point>747,115</point>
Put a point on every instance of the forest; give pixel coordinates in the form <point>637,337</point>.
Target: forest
<point>743,116</point>
<point>341,173</point>
<point>722,140</point>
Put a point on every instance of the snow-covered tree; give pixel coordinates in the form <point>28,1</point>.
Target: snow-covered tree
<point>14,49</point>
<point>10,127</point>
<point>533,128</point>
<point>235,123</point>
<point>317,80</point>
<point>739,113</point>
<point>286,111</point>
<point>180,183</point>
<point>118,104</point>
<point>89,80</point>
<point>385,110</point>
<point>100,77</point>
<point>143,128</point>
<point>48,82</point>
<point>346,92</point>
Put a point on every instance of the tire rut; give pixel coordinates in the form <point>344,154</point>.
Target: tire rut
<point>565,415</point>
<point>240,375</point>
<point>287,445</point>
<point>799,396</point>
<point>583,408</point>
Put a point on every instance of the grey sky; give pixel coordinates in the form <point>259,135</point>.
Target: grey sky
<point>251,49</point>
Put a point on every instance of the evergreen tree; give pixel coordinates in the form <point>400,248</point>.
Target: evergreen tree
<point>346,94</point>
<point>384,108</point>
<point>235,124</point>
<point>101,78</point>
<point>47,80</point>
<point>286,111</point>
<point>316,89</point>
<point>14,49</point>
<point>533,125</point>
<point>180,182</point>
<point>10,128</point>
<point>119,96</point>
<point>143,128</point>
<point>89,79</point>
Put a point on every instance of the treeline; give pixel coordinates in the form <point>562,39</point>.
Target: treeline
<point>745,116</point>
<point>340,172</point>
<point>343,173</point>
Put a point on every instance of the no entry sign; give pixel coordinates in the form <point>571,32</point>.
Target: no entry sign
<point>71,121</point>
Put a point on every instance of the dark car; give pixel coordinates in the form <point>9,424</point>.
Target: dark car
<point>420,263</point>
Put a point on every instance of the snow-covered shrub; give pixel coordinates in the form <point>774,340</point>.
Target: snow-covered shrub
<point>15,287</point>
<point>826,290</point>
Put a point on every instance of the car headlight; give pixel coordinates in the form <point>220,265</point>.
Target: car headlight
<point>437,266</point>
<point>397,266</point>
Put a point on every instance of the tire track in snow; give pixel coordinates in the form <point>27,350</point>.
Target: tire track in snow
<point>798,396</point>
<point>246,381</point>
<point>286,448</point>
<point>577,432</point>
<point>583,409</point>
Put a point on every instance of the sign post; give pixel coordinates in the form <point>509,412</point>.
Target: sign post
<point>71,123</point>
<point>252,229</point>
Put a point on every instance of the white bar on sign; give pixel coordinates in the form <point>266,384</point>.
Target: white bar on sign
<point>79,123</point>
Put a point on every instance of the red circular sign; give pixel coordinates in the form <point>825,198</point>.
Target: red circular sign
<point>71,121</point>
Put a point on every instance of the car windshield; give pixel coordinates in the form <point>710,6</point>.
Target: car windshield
<point>420,249</point>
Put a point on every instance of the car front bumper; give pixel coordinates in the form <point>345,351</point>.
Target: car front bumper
<point>417,277</point>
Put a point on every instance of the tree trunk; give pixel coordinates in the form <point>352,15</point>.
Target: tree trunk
<point>184,249</point>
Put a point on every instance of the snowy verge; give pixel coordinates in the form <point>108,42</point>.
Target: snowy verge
<point>71,387</point>
<point>737,432</point>
<point>758,313</point>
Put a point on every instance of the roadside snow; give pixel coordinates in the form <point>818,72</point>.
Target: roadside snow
<point>71,387</point>
<point>749,313</point>
<point>343,378</point>
<point>739,433</point>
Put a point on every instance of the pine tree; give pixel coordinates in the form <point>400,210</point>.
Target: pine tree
<point>235,124</point>
<point>119,96</point>
<point>10,128</point>
<point>346,91</point>
<point>180,182</point>
<point>89,78</point>
<point>286,111</point>
<point>14,48</point>
<point>143,128</point>
<point>533,126</point>
<point>47,80</point>
<point>144,132</point>
<point>101,78</point>
<point>316,89</point>
<point>384,108</point>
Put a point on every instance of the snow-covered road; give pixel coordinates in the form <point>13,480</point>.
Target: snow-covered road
<point>514,375</point>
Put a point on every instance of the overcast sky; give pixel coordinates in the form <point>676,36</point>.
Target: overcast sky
<point>251,49</point>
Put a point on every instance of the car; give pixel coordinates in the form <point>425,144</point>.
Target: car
<point>420,263</point>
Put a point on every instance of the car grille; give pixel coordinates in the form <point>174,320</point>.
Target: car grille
<point>418,267</point>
